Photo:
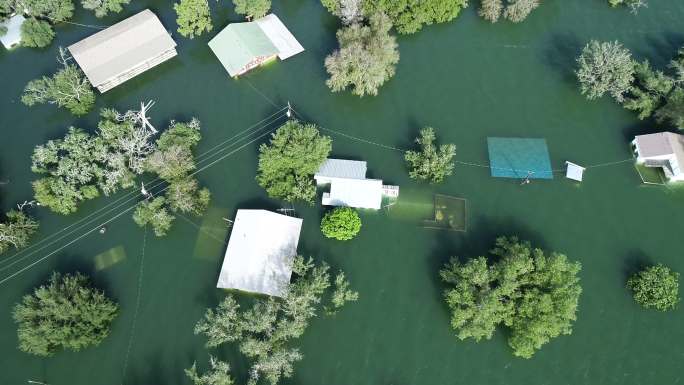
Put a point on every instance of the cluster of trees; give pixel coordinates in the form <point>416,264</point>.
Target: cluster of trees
<point>102,8</point>
<point>608,68</point>
<point>66,313</point>
<point>655,287</point>
<point>67,88</point>
<point>532,293</point>
<point>634,5</point>
<point>409,16</point>
<point>341,223</point>
<point>173,161</point>
<point>512,10</point>
<point>287,164</point>
<point>431,163</point>
<point>16,230</point>
<point>194,16</point>
<point>265,332</point>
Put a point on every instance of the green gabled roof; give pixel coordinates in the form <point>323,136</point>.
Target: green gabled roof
<point>240,43</point>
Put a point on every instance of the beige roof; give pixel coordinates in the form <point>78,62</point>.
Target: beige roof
<point>122,47</point>
<point>661,144</point>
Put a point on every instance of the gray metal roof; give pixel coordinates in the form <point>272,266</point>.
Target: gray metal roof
<point>13,36</point>
<point>342,168</point>
<point>122,47</point>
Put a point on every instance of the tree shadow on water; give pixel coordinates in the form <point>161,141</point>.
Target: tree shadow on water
<point>561,55</point>
<point>635,261</point>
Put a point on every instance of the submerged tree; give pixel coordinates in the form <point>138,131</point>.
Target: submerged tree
<point>67,88</point>
<point>154,213</point>
<point>252,9</point>
<point>218,375</point>
<point>265,332</point>
<point>514,10</point>
<point>605,67</point>
<point>36,33</point>
<point>66,313</point>
<point>634,5</point>
<point>366,59</point>
<point>656,287</point>
<point>16,230</point>
<point>431,163</point>
<point>349,11</point>
<point>193,17</point>
<point>409,16</point>
<point>342,223</point>
<point>534,294</point>
<point>104,7</point>
<point>287,164</point>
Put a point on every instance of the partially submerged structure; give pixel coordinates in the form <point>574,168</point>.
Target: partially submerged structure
<point>663,150</point>
<point>520,158</point>
<point>12,38</point>
<point>243,46</point>
<point>574,171</point>
<point>260,252</point>
<point>124,50</point>
<point>349,186</point>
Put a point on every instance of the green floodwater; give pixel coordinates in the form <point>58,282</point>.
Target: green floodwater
<point>467,78</point>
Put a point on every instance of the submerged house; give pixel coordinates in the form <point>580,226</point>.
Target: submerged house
<point>124,50</point>
<point>663,150</point>
<point>12,38</point>
<point>349,185</point>
<point>260,252</point>
<point>243,46</point>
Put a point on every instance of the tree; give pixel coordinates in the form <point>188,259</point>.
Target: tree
<point>656,287</point>
<point>104,7</point>
<point>68,88</point>
<point>349,11</point>
<point>605,67</point>
<point>218,375</point>
<point>253,9</point>
<point>431,164</point>
<point>154,213</point>
<point>342,223</point>
<point>366,59</point>
<point>65,313</point>
<point>264,332</point>
<point>409,16</point>
<point>16,230</point>
<point>534,294</point>
<point>36,33</point>
<point>341,295</point>
<point>193,17</point>
<point>648,90</point>
<point>53,10</point>
<point>287,164</point>
<point>518,10</point>
<point>634,5</point>
<point>490,10</point>
<point>673,110</point>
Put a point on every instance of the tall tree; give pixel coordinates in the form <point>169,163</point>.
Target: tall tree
<point>16,230</point>
<point>36,33</point>
<point>409,16</point>
<point>287,164</point>
<point>104,7</point>
<point>431,163</point>
<point>366,59</point>
<point>65,313</point>
<point>252,9</point>
<point>605,67</point>
<point>193,17</point>
<point>534,294</point>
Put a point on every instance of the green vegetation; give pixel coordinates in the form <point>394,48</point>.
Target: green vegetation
<point>16,230</point>
<point>36,33</point>
<point>265,332</point>
<point>252,9</point>
<point>366,59</point>
<point>342,223</point>
<point>103,7</point>
<point>430,163</point>
<point>349,11</point>
<point>409,16</point>
<point>66,313</point>
<point>535,295</point>
<point>68,88</point>
<point>193,17</point>
<point>514,10</point>
<point>288,163</point>
<point>605,67</point>
<point>155,213</point>
<point>218,375</point>
<point>656,287</point>
<point>634,5</point>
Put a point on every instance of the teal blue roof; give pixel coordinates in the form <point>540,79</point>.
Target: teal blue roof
<point>240,43</point>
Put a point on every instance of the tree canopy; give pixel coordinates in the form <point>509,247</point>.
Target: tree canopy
<point>605,67</point>
<point>366,59</point>
<point>513,10</point>
<point>265,332</point>
<point>341,223</point>
<point>36,33</point>
<point>349,11</point>
<point>252,9</point>
<point>16,230</point>
<point>431,163</point>
<point>193,17</point>
<point>534,294</point>
<point>655,287</point>
<point>287,164</point>
<point>103,7</point>
<point>409,16</point>
<point>66,313</point>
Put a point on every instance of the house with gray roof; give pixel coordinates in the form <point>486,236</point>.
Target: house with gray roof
<point>663,150</point>
<point>124,50</point>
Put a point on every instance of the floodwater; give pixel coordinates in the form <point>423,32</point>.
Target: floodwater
<point>468,79</point>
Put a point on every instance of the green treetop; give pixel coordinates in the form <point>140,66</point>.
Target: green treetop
<point>193,17</point>
<point>514,10</point>
<point>409,16</point>
<point>104,7</point>
<point>605,67</point>
<point>252,9</point>
<point>16,230</point>
<point>36,33</point>
<point>656,287</point>
<point>430,163</point>
<point>342,223</point>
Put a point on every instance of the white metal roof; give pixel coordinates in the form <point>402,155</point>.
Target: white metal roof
<point>280,36</point>
<point>359,193</point>
<point>342,168</point>
<point>574,172</point>
<point>122,47</point>
<point>260,252</point>
<point>13,36</point>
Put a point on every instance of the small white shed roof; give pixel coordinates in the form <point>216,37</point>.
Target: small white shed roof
<point>342,168</point>
<point>260,252</point>
<point>13,36</point>
<point>280,36</point>
<point>359,193</point>
<point>574,172</point>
